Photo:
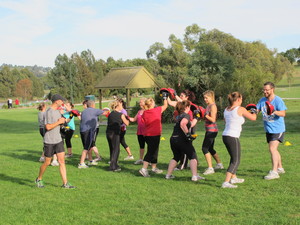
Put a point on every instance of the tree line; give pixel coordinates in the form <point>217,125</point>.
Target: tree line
<point>198,61</point>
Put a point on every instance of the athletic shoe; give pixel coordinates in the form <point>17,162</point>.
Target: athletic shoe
<point>144,172</point>
<point>39,183</point>
<point>68,155</point>
<point>42,159</point>
<point>98,159</point>
<point>54,163</point>
<point>117,170</point>
<point>228,185</point>
<point>138,162</point>
<point>236,180</point>
<point>156,170</point>
<point>280,171</point>
<point>272,175</point>
<point>176,169</point>
<point>168,177</point>
<point>196,178</point>
<point>68,185</point>
<point>209,171</point>
<point>219,166</point>
<point>129,157</point>
<point>92,163</point>
<point>82,166</point>
<point>108,162</point>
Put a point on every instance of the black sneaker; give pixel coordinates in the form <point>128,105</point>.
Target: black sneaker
<point>39,183</point>
<point>68,185</point>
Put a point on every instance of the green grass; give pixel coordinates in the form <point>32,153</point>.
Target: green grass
<point>103,197</point>
<point>290,91</point>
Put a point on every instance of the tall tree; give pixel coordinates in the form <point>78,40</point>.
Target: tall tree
<point>24,89</point>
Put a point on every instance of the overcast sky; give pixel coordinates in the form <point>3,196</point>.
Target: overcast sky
<point>35,32</point>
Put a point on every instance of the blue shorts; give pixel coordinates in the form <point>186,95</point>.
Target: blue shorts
<point>275,137</point>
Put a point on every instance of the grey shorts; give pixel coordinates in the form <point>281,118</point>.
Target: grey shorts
<point>275,137</point>
<point>51,149</point>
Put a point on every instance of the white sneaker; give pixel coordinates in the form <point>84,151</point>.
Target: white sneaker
<point>92,163</point>
<point>272,175</point>
<point>138,162</point>
<point>54,163</point>
<point>280,171</point>
<point>144,172</point>
<point>156,170</point>
<point>219,166</point>
<point>42,159</point>
<point>98,159</point>
<point>196,178</point>
<point>209,171</point>
<point>168,177</point>
<point>129,157</point>
<point>82,166</point>
<point>228,185</point>
<point>236,180</point>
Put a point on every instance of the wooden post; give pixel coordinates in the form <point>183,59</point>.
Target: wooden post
<point>128,97</point>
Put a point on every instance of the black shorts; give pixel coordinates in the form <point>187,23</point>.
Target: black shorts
<point>51,149</point>
<point>87,139</point>
<point>275,137</point>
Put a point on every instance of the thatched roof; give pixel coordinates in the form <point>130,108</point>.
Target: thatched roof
<point>128,77</point>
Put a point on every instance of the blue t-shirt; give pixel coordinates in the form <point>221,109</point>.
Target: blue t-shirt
<point>272,123</point>
<point>89,118</point>
<point>71,124</point>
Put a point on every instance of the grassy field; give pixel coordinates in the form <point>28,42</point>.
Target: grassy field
<point>103,197</point>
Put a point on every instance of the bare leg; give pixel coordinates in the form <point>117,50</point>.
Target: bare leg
<point>275,155</point>
<point>95,149</point>
<point>83,156</point>
<point>208,160</point>
<point>69,151</point>
<point>142,151</point>
<point>172,166</point>
<point>193,166</point>
<point>44,167</point>
<point>128,151</point>
<point>217,158</point>
<point>146,164</point>
<point>62,166</point>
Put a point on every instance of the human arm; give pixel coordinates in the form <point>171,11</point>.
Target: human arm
<point>171,103</point>
<point>212,116</point>
<point>242,111</point>
<point>49,126</point>
<point>164,106</point>
<point>124,120</point>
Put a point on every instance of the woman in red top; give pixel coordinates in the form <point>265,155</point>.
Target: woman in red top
<point>152,121</point>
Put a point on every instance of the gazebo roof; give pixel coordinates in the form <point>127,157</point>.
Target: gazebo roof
<point>128,77</point>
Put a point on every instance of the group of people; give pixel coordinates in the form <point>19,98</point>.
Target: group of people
<point>149,129</point>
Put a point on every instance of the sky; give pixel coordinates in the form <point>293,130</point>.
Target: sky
<point>35,32</point>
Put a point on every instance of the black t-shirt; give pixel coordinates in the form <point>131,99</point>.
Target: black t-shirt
<point>177,129</point>
<point>114,122</point>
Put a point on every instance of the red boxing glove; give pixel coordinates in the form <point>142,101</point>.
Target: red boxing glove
<point>202,111</point>
<point>270,108</point>
<point>75,112</point>
<point>194,107</point>
<point>172,93</point>
<point>251,108</point>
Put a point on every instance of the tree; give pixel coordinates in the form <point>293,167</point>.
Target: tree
<point>24,89</point>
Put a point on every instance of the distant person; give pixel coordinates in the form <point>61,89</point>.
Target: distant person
<point>53,143</point>
<point>153,128</point>
<point>17,102</point>
<point>9,103</point>
<point>113,133</point>
<point>181,141</point>
<point>41,120</point>
<point>273,112</point>
<point>88,125</point>
<point>123,132</point>
<point>234,119</point>
<point>211,133</point>
<point>140,131</point>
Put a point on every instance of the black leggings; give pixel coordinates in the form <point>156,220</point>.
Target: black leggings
<point>68,137</point>
<point>122,139</point>
<point>234,149</point>
<point>208,143</point>
<point>113,140</point>
<point>152,148</point>
<point>141,140</point>
<point>181,147</point>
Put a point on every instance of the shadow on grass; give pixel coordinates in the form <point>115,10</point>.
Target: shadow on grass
<point>17,127</point>
<point>23,154</point>
<point>17,180</point>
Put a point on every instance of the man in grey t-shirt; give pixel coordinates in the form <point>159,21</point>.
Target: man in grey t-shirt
<point>53,143</point>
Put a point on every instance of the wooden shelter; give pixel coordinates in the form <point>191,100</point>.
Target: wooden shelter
<point>126,78</point>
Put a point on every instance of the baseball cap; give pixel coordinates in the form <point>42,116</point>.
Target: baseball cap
<point>57,97</point>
